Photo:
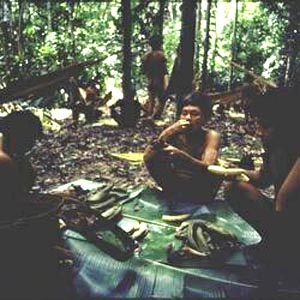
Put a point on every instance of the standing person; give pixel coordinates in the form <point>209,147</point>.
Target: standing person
<point>277,220</point>
<point>179,158</point>
<point>154,66</point>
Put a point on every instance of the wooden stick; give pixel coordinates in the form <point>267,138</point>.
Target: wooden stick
<point>228,96</point>
<point>253,75</point>
<point>250,73</point>
<point>149,221</point>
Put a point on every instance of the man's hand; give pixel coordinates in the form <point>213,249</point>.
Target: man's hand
<point>173,151</point>
<point>178,127</point>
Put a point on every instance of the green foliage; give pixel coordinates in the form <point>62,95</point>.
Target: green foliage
<point>61,34</point>
<point>55,34</point>
<point>258,44</point>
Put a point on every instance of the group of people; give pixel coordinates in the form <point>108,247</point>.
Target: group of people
<point>178,161</point>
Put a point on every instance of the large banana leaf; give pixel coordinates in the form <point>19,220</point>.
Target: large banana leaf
<point>131,157</point>
<point>148,275</point>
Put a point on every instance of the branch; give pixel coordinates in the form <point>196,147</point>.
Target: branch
<point>253,75</point>
<point>229,96</point>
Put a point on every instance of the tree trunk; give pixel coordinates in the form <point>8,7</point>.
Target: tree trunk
<point>286,71</point>
<point>129,114</point>
<point>49,16</point>
<point>160,19</point>
<point>206,49</point>
<point>20,28</point>
<point>233,44</point>
<point>213,32</point>
<point>138,17</point>
<point>71,31</point>
<point>7,36</point>
<point>293,73</point>
<point>127,55</point>
<point>187,49</point>
<point>198,39</point>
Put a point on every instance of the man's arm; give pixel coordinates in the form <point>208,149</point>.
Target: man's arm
<point>178,127</point>
<point>166,81</point>
<point>254,175</point>
<point>289,189</point>
<point>210,153</point>
<point>208,157</point>
<point>10,185</point>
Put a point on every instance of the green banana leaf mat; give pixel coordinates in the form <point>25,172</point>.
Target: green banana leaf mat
<point>147,274</point>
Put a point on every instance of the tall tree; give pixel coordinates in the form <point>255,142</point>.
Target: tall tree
<point>213,33</point>
<point>71,30</point>
<point>7,37</point>
<point>22,5</point>
<point>198,38</point>
<point>293,44</point>
<point>49,16</point>
<point>160,19</point>
<point>233,43</point>
<point>204,75</point>
<point>129,113</point>
<point>187,49</point>
<point>127,55</point>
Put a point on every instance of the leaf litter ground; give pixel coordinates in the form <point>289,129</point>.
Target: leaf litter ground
<point>85,152</point>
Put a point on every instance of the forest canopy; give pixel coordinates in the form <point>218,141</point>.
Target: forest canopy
<point>38,37</point>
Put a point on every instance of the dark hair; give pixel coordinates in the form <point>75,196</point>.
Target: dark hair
<point>24,127</point>
<point>155,42</point>
<point>200,100</point>
<point>277,108</point>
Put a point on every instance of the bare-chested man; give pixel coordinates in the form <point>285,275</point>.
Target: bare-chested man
<point>179,158</point>
<point>20,130</point>
<point>154,66</point>
<point>276,219</point>
<point>29,231</point>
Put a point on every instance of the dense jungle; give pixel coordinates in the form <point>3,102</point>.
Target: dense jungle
<point>97,95</point>
<point>222,45</point>
<point>214,46</point>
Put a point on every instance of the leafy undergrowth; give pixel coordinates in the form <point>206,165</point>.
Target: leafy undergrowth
<point>85,152</point>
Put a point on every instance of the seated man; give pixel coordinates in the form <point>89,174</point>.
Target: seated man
<point>126,112</point>
<point>29,228</point>
<point>179,158</point>
<point>84,101</point>
<point>275,219</point>
<point>20,130</point>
